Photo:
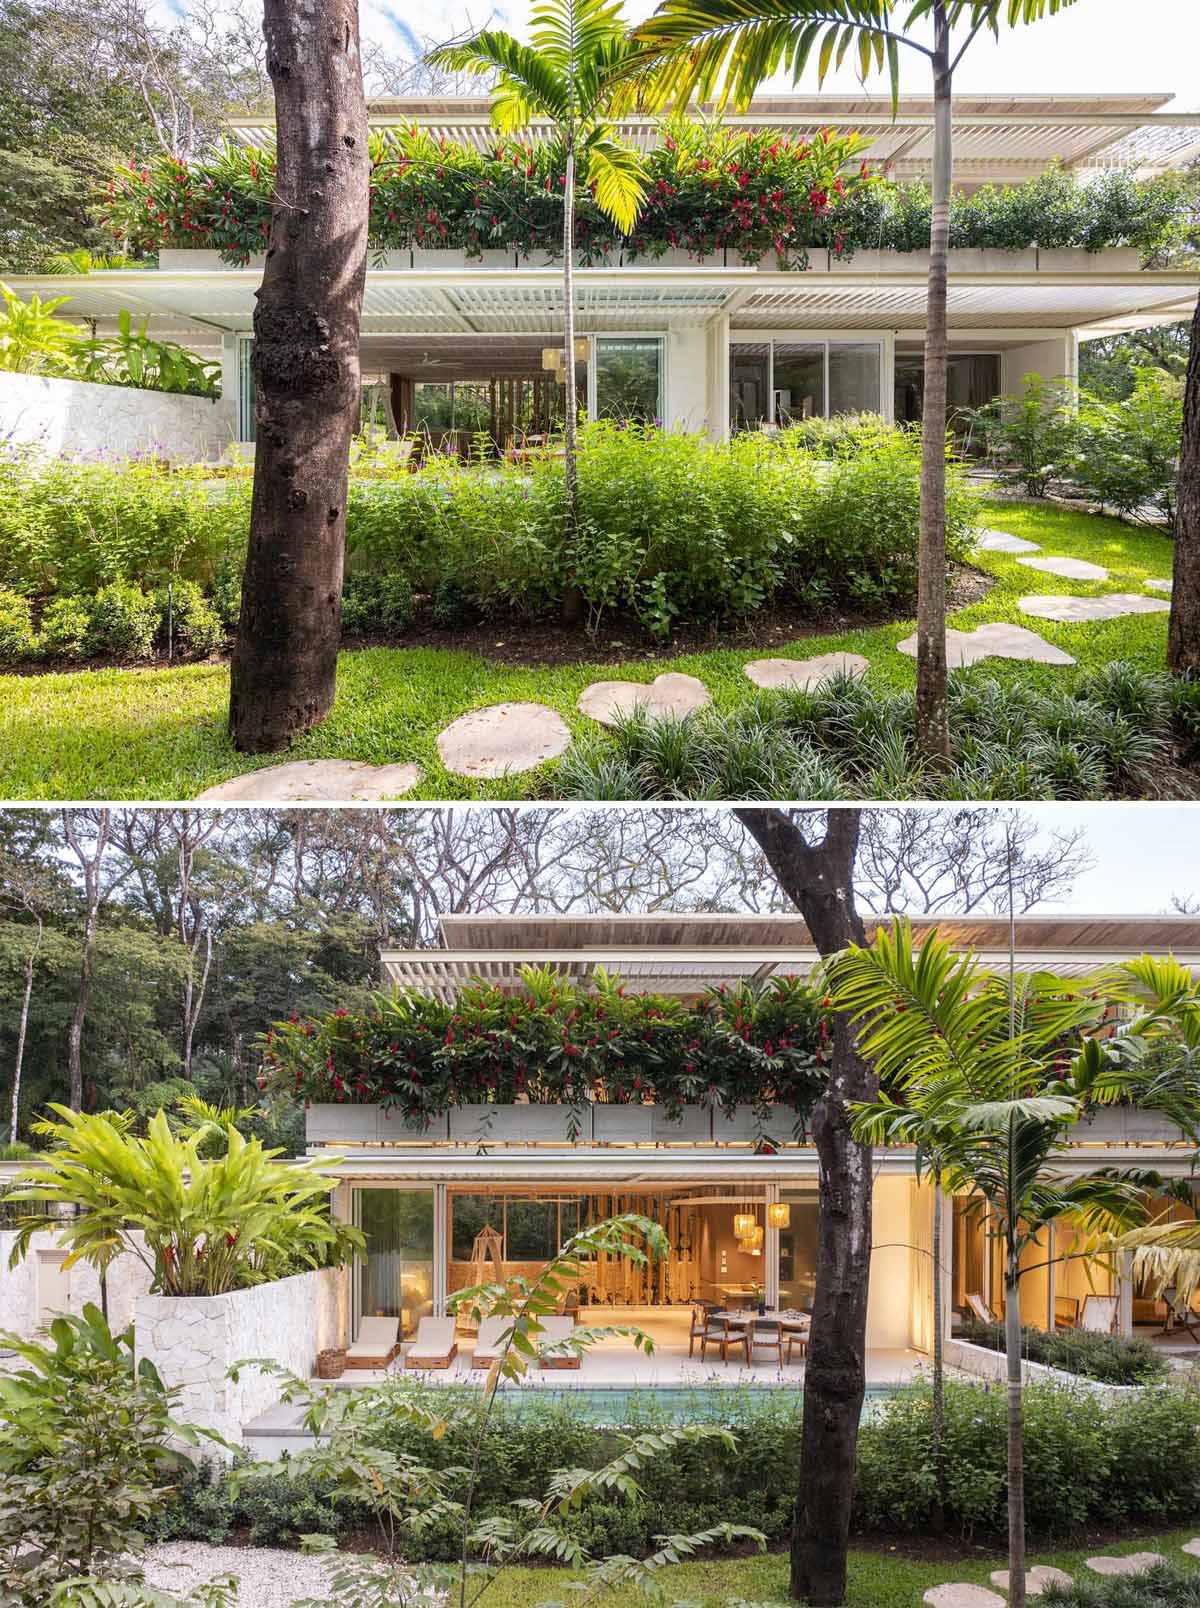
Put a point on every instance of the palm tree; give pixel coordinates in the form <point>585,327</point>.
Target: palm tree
<point>575,73</point>
<point>983,1074</point>
<point>727,48</point>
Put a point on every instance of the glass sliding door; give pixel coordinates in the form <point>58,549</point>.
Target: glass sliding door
<point>629,378</point>
<point>396,1277</point>
<point>798,1249</point>
<point>854,377</point>
<point>781,382</point>
<point>799,381</point>
<point>749,385</point>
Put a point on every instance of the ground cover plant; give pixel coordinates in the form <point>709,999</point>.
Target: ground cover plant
<point>1110,1359</point>
<point>162,733</point>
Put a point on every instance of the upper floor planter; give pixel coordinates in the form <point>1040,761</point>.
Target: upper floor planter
<point>523,1125</point>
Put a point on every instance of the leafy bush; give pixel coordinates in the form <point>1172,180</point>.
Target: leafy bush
<point>17,639</point>
<point>187,621</point>
<point>1110,1358</point>
<point>380,604</point>
<point>84,1457</point>
<point>1032,437</point>
<point>1161,1587</point>
<point>1117,733</point>
<point>1126,453</point>
<point>66,627</point>
<point>124,622</point>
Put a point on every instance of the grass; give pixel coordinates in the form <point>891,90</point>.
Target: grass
<point>878,1579</point>
<point>160,734</point>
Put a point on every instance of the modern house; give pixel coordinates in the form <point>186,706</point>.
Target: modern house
<point>423,1198</point>
<point>715,345</point>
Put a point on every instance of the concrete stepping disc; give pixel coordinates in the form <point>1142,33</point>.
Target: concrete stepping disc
<point>1192,1546</point>
<point>999,541</point>
<point>960,1595</point>
<point>999,640</point>
<point>315,781</point>
<point>670,694</point>
<point>1074,569</point>
<point>1132,1564</point>
<point>1109,607</point>
<point>1036,1579</point>
<point>798,675</point>
<point>503,738</point>
<point>1160,583</point>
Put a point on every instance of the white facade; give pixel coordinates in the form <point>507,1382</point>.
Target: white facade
<point>78,419</point>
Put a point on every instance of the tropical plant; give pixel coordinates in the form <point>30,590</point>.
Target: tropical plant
<point>32,339</point>
<point>984,1074</point>
<point>1032,437</point>
<point>133,357</point>
<point>201,1226</point>
<point>726,49</point>
<point>221,1592</point>
<point>571,72</point>
<point>1126,453</point>
<point>88,1453</point>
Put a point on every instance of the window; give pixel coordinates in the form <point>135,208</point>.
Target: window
<point>629,379</point>
<point>798,1249</point>
<point>802,380</point>
<point>396,1277</point>
<point>531,1229</point>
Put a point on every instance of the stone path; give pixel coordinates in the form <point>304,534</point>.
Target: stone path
<point>999,640</point>
<point>999,541</point>
<point>1073,569</point>
<point>1158,583</point>
<point>1192,1547</point>
<point>1109,607</point>
<point>1131,1564</point>
<point>961,1595</point>
<point>1036,1579</point>
<point>798,675</point>
<point>671,694</point>
<point>503,738</point>
<point>315,781</point>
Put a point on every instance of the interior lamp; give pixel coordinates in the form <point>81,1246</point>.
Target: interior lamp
<point>780,1215</point>
<point>743,1224</point>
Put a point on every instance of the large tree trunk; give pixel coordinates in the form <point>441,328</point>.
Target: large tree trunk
<point>1183,631</point>
<point>820,881</point>
<point>23,1026</point>
<point>306,375</point>
<point>572,602</point>
<point>1016,1442</point>
<point>933,726</point>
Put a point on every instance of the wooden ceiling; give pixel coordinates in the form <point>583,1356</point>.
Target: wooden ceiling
<point>440,359</point>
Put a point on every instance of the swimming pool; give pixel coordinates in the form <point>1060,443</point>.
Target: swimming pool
<point>682,1403</point>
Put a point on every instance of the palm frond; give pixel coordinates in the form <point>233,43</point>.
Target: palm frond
<point>530,81</point>
<point>619,175</point>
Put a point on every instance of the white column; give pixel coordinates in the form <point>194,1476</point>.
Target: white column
<point>771,1249</point>
<point>717,348</point>
<point>441,1219</point>
<point>887,376</point>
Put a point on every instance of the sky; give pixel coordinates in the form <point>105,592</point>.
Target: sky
<point>1093,46</point>
<point>1144,853</point>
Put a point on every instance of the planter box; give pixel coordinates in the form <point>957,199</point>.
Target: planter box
<point>492,259</point>
<point>514,1124</point>
<point>438,257</point>
<point>981,1362</point>
<point>1119,1125</point>
<point>193,1341</point>
<point>600,1124</point>
<point>1074,260</point>
<point>191,260</point>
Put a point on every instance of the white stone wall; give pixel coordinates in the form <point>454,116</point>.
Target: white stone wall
<point>20,1300</point>
<point>76,419</point>
<point>194,1340</point>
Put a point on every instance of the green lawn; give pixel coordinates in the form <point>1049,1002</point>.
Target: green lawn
<point>877,1580</point>
<point>160,734</point>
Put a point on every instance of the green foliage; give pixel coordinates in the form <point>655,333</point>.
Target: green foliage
<point>710,190</point>
<point>557,1044</point>
<point>376,604</point>
<point>1108,736</point>
<point>1108,364</point>
<point>186,621</point>
<point>1109,1358</point>
<point>84,1457</point>
<point>1033,436</point>
<point>17,637</point>
<point>122,622</point>
<point>209,1224</point>
<point>1163,1586</point>
<point>132,357</point>
<point>66,627</point>
<point>32,339</point>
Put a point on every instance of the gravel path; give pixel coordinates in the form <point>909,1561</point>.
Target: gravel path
<point>269,1576</point>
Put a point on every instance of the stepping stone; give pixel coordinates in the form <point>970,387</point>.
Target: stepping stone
<point>1192,1546</point>
<point>961,1595</point>
<point>670,694</point>
<point>1109,607</point>
<point>798,675</point>
<point>1000,640</point>
<point>1132,1563</point>
<point>315,781</point>
<point>999,541</point>
<point>503,738</point>
<point>1036,1579</point>
<point>1074,569</point>
<point>1160,583</point>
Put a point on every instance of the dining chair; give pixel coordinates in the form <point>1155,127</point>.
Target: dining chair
<point>764,1334</point>
<point>725,1334</point>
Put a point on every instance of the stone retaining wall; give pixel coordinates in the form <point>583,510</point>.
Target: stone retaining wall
<point>984,1363</point>
<point>77,419</point>
<point>21,1299</point>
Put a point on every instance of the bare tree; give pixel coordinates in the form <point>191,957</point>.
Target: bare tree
<point>88,834</point>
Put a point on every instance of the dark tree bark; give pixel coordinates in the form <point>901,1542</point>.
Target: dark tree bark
<point>1183,631</point>
<point>819,878</point>
<point>306,374</point>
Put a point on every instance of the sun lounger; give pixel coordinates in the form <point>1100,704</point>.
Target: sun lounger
<point>377,1344</point>
<point>1099,1315</point>
<point>554,1331</point>
<point>490,1342</point>
<point>435,1345</point>
<point>980,1309</point>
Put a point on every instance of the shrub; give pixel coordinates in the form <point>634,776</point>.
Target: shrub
<point>1110,1358</point>
<point>66,627</point>
<point>1126,453</point>
<point>124,622</point>
<point>187,621</point>
<point>1164,1586</point>
<point>17,638</point>
<point>1032,438</point>
<point>373,604</point>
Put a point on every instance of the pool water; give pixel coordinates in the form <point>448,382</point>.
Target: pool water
<point>677,1402</point>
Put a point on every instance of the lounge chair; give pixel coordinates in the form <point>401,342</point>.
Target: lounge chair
<point>435,1345</point>
<point>1066,1312</point>
<point>1099,1315</point>
<point>377,1344</point>
<point>980,1309</point>
<point>490,1341</point>
<point>554,1332</point>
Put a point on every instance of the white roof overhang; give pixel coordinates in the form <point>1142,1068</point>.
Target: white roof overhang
<point>529,300</point>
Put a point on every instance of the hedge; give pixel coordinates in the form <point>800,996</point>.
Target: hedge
<point>1111,1359</point>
